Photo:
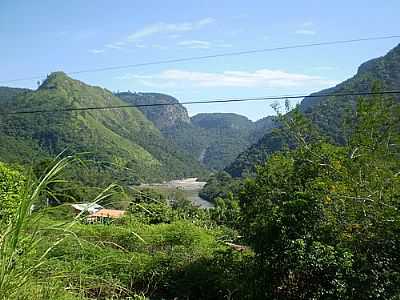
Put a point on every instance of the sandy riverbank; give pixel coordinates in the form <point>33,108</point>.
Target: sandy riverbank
<point>190,186</point>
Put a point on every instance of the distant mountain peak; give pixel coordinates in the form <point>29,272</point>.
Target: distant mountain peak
<point>56,79</point>
<point>380,62</point>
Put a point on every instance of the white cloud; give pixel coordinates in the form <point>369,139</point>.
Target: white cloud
<point>96,51</point>
<point>196,44</point>
<point>203,22</point>
<point>113,46</point>
<point>260,78</point>
<point>168,28</point>
<point>305,32</point>
<point>172,30</point>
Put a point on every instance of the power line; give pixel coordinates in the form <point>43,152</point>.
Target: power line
<point>287,97</point>
<point>194,58</point>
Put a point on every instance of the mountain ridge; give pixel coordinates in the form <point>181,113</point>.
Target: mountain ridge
<point>214,139</point>
<point>119,137</point>
<point>327,113</point>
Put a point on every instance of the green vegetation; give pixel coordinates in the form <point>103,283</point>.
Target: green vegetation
<point>219,185</point>
<point>11,182</point>
<point>52,254</point>
<point>116,141</point>
<point>328,114</point>
<point>323,219</point>
<point>215,139</point>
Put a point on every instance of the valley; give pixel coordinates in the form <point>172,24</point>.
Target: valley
<point>190,187</point>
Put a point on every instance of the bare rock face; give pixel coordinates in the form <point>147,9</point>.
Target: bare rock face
<point>163,116</point>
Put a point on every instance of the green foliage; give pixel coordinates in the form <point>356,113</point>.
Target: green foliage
<point>11,183</point>
<point>149,206</point>
<point>111,261</point>
<point>323,219</point>
<point>219,185</point>
<point>50,255</point>
<point>226,211</point>
<point>20,236</point>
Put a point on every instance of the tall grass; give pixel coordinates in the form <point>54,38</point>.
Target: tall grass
<point>20,236</point>
<point>50,256</point>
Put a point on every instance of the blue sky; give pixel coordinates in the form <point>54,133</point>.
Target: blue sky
<point>38,37</point>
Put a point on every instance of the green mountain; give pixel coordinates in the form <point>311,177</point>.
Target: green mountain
<point>228,135</point>
<point>214,139</point>
<point>172,120</point>
<point>327,113</point>
<point>7,93</point>
<point>122,141</point>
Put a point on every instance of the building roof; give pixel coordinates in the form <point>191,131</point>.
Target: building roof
<point>108,213</point>
<point>89,207</point>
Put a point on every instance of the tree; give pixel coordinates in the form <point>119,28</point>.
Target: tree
<point>323,219</point>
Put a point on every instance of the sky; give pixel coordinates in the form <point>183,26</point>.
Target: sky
<point>39,37</point>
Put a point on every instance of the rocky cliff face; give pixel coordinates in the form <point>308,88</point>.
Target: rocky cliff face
<point>162,116</point>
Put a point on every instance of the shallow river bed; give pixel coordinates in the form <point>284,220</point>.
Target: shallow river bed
<point>190,186</point>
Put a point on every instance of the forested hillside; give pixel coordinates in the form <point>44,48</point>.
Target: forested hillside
<point>229,134</point>
<point>214,139</point>
<point>7,93</point>
<point>120,142</point>
<point>328,113</point>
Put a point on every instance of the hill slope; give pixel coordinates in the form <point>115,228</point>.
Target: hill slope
<point>214,139</point>
<point>123,139</point>
<point>327,113</point>
<point>228,135</point>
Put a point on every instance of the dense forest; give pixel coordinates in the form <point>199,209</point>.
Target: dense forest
<point>214,139</point>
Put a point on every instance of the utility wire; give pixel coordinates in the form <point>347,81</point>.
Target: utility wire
<point>194,58</point>
<point>287,97</point>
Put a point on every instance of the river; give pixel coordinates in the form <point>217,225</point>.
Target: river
<point>190,186</point>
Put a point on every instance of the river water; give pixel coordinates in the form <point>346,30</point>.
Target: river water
<point>190,186</point>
